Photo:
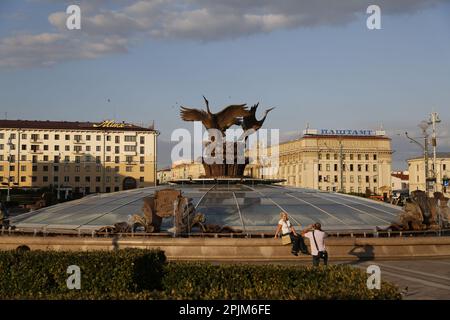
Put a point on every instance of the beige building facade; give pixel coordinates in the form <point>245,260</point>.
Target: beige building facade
<point>83,156</point>
<point>186,169</point>
<point>416,167</point>
<point>351,161</point>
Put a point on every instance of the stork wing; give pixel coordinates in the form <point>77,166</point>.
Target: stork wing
<point>188,114</point>
<point>227,117</point>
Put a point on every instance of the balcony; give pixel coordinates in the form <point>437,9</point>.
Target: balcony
<point>79,141</point>
<point>36,140</point>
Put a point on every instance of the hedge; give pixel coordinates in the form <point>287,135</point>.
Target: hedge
<point>38,274</point>
<point>206,281</point>
<point>144,274</point>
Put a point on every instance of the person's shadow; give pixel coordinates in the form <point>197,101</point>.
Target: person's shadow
<point>363,253</point>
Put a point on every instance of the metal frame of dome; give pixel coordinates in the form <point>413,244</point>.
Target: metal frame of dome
<point>251,207</point>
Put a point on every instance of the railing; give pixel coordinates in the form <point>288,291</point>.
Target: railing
<point>253,235</point>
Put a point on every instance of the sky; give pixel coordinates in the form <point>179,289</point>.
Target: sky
<point>316,62</point>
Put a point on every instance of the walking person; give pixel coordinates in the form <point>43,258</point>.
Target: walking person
<point>317,241</point>
<point>286,228</point>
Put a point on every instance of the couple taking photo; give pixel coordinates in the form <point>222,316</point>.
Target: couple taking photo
<point>313,232</point>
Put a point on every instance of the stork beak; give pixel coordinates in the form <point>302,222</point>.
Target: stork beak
<point>270,109</point>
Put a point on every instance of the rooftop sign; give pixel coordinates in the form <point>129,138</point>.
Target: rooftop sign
<point>343,132</point>
<point>109,124</point>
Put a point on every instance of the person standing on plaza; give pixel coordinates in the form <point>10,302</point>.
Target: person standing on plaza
<point>317,241</point>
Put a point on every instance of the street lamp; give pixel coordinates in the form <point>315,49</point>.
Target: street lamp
<point>424,126</point>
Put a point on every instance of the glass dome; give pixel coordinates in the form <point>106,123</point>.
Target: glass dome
<point>253,208</point>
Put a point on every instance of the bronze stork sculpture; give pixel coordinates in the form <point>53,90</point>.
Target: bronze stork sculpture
<point>250,122</point>
<point>221,120</point>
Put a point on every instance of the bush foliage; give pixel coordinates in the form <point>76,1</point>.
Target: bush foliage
<point>144,274</point>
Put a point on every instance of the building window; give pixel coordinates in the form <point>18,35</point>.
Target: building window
<point>375,157</point>
<point>328,167</point>
<point>351,167</point>
<point>359,167</point>
<point>46,147</point>
<point>367,179</point>
<point>142,160</point>
<point>66,179</point>
<point>108,158</point>
<point>129,159</point>
<point>98,138</point>
<point>320,167</point>
<point>375,168</point>
<point>56,136</point>
<point>367,167</point>
<point>108,149</point>
<point>117,139</point>
<point>98,148</point>
<point>87,179</point>
<point>108,179</point>
<point>45,178</point>
<point>33,179</point>
<point>359,157</point>
<point>97,159</point>
<point>328,156</point>
<point>367,157</point>
<point>117,159</point>
<point>141,179</point>
<point>320,178</point>
<point>130,138</point>
<point>97,179</point>
<point>129,169</point>
<point>444,167</point>
<point>142,150</point>
<point>142,139</point>
<point>45,136</point>
<point>130,148</point>
<point>335,167</point>
<point>45,168</point>
<point>67,148</point>
<point>88,137</point>
<point>351,157</point>
<point>77,178</point>
<point>67,137</point>
<point>142,169</point>
<point>108,138</point>
<point>88,148</point>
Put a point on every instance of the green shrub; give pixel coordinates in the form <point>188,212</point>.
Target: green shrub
<point>144,274</point>
<point>206,281</point>
<point>35,274</point>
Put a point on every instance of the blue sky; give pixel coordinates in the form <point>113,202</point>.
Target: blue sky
<point>315,61</point>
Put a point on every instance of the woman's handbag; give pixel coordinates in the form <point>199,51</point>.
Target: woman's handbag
<point>286,239</point>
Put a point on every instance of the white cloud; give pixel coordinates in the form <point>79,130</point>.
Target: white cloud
<point>111,26</point>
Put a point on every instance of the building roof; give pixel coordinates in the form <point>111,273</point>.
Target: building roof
<point>401,176</point>
<point>445,155</point>
<point>71,125</point>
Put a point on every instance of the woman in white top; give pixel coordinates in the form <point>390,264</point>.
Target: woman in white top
<point>285,227</point>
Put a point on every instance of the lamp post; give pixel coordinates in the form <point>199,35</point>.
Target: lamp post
<point>424,126</point>
<point>434,119</point>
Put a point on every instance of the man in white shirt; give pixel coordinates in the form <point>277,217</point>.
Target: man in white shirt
<point>316,239</point>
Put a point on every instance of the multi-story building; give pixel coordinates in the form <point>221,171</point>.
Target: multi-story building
<point>400,180</point>
<point>84,156</point>
<point>164,176</point>
<point>186,169</point>
<point>351,161</point>
<point>417,173</point>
